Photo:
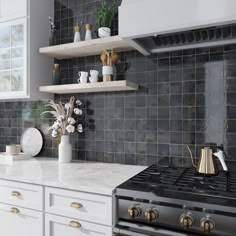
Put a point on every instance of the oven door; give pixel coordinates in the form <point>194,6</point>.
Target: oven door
<point>129,229</point>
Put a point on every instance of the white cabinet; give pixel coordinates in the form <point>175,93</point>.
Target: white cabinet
<point>12,9</point>
<point>16,221</point>
<point>22,32</point>
<point>33,210</point>
<point>61,226</point>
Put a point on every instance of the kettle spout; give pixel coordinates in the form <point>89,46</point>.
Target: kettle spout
<point>220,155</point>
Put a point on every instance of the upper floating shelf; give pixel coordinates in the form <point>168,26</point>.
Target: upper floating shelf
<point>85,48</point>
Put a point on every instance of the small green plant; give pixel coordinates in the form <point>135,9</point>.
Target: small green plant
<point>105,13</point>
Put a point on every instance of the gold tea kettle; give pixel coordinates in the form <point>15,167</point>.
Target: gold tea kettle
<point>207,165</point>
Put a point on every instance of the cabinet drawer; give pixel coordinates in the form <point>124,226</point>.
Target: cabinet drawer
<point>23,195</point>
<point>61,226</point>
<point>79,205</point>
<point>20,221</point>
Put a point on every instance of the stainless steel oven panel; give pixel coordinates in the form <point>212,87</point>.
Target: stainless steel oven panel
<point>170,217</point>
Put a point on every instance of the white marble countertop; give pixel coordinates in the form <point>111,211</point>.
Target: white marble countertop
<point>93,177</point>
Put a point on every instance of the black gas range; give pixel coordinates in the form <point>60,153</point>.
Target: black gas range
<point>164,201</point>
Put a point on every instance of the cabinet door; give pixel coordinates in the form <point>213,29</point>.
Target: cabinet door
<point>62,226</point>
<point>16,221</point>
<point>13,57</point>
<point>12,9</point>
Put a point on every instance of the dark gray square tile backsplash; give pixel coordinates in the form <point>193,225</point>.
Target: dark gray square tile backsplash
<point>185,98</point>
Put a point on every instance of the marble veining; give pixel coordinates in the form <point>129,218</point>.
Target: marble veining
<point>98,178</point>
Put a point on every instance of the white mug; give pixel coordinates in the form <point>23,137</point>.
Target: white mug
<point>83,74</point>
<point>94,73</point>
<point>83,77</point>
<point>93,79</point>
<point>83,80</point>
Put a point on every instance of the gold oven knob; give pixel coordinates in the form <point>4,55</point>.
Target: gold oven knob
<point>151,215</point>
<point>134,212</point>
<point>207,225</point>
<point>186,221</point>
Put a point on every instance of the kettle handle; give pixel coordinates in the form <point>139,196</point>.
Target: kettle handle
<point>191,155</point>
<point>220,155</point>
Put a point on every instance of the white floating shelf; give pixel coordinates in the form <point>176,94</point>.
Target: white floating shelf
<point>85,48</point>
<point>122,85</point>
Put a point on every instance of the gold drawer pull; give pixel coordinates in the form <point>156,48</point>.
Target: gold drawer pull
<point>74,224</point>
<point>76,205</point>
<point>15,194</point>
<point>14,210</point>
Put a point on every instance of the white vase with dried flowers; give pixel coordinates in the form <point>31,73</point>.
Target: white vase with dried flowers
<point>66,122</point>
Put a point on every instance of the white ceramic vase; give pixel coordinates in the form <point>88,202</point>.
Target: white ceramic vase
<point>77,37</point>
<point>104,32</point>
<point>88,35</point>
<point>65,150</point>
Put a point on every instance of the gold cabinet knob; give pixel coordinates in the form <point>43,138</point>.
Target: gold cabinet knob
<point>207,225</point>
<point>76,205</point>
<point>14,210</point>
<point>186,221</point>
<point>151,215</point>
<point>75,224</point>
<point>15,194</point>
<point>134,212</point>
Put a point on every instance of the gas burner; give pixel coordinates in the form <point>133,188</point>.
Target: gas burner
<point>202,185</point>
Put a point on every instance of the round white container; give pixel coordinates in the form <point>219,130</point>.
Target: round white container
<point>104,32</point>
<point>107,70</point>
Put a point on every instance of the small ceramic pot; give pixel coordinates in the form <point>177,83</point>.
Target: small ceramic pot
<point>107,72</point>
<point>13,149</point>
<point>104,32</point>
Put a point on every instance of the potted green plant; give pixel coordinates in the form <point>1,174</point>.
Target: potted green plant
<point>104,16</point>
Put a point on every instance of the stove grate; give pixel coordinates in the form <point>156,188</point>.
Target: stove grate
<point>186,179</point>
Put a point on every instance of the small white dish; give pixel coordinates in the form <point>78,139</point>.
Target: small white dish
<point>20,156</point>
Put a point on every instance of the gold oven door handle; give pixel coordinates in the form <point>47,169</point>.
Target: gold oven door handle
<point>75,224</point>
<point>76,205</point>
<point>14,210</point>
<point>15,194</point>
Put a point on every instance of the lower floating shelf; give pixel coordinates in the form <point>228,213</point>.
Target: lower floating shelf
<point>121,85</point>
